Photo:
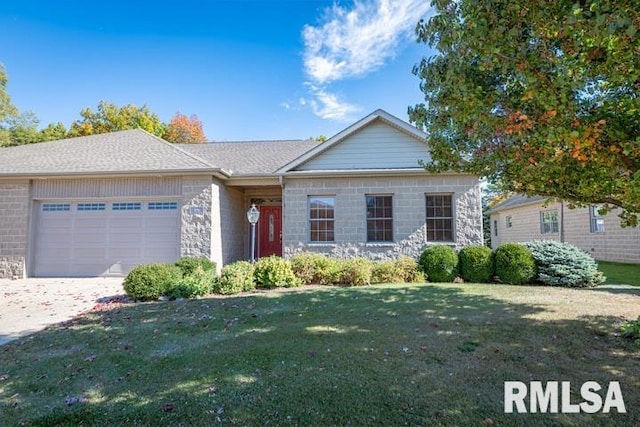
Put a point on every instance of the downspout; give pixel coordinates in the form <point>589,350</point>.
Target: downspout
<point>561,221</point>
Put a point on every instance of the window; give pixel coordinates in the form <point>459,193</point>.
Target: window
<point>439,217</point>
<point>162,206</point>
<point>495,227</point>
<point>55,207</point>
<point>379,218</point>
<point>508,221</point>
<point>597,221</point>
<point>549,222</point>
<point>91,206</point>
<point>321,218</point>
<point>126,206</point>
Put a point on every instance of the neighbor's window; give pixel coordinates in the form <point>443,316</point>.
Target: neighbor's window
<point>321,218</point>
<point>439,218</point>
<point>379,218</point>
<point>549,222</point>
<point>508,222</point>
<point>597,221</point>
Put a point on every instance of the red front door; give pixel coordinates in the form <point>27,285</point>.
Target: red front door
<point>270,225</point>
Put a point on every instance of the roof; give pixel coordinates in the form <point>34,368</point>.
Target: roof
<point>515,201</point>
<point>250,157</point>
<point>376,115</point>
<point>127,151</point>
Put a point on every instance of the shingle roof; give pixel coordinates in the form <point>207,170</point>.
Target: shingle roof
<point>250,157</point>
<point>116,152</point>
<point>516,200</point>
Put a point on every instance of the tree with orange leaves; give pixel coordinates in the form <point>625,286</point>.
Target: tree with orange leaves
<point>183,129</point>
<point>541,97</point>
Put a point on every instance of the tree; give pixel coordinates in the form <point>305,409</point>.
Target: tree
<point>541,97</point>
<point>109,118</point>
<point>53,131</point>
<point>7,109</point>
<point>185,130</point>
<point>23,129</point>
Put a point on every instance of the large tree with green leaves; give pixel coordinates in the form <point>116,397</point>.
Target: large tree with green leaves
<point>542,96</point>
<point>7,109</point>
<point>110,118</point>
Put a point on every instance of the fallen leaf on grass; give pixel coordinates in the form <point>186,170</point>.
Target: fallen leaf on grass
<point>168,406</point>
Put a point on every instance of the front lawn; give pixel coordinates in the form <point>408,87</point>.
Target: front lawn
<point>432,354</point>
<point>620,273</point>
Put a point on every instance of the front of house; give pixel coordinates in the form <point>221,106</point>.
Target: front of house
<point>99,205</point>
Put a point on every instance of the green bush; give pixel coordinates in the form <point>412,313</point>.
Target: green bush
<point>151,281</point>
<point>409,268</point>
<point>439,263</point>
<point>313,268</point>
<point>234,278</point>
<point>199,283</point>
<point>274,271</point>
<point>476,264</point>
<point>386,272</point>
<point>562,264</point>
<point>631,330</point>
<point>352,272</point>
<point>188,265</point>
<point>514,264</point>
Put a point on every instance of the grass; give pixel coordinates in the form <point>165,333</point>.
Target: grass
<point>620,273</point>
<point>384,355</point>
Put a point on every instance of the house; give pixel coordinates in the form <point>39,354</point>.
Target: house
<point>520,219</point>
<point>99,205</point>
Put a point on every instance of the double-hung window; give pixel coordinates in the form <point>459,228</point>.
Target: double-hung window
<point>439,217</point>
<point>379,218</point>
<point>321,218</point>
<point>596,220</point>
<point>549,222</point>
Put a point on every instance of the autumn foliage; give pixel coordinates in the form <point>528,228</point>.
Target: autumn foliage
<point>185,129</point>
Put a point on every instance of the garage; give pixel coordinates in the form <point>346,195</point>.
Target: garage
<point>103,237</point>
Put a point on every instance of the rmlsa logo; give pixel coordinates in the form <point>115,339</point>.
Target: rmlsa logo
<point>550,398</point>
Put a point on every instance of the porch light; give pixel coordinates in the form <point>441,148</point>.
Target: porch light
<point>253,215</point>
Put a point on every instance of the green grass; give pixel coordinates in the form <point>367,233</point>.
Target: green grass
<point>620,273</point>
<point>381,355</point>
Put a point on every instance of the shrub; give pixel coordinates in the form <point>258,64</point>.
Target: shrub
<point>313,268</point>
<point>199,283</point>
<point>631,330</point>
<point>409,269</point>
<point>439,263</point>
<point>514,264</point>
<point>188,265</point>
<point>476,264</point>
<point>274,271</point>
<point>352,272</point>
<point>386,272</point>
<point>151,281</point>
<point>562,264</point>
<point>234,278</point>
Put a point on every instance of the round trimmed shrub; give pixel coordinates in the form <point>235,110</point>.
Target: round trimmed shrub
<point>188,265</point>
<point>151,281</point>
<point>476,264</point>
<point>273,272</point>
<point>198,283</point>
<point>439,263</point>
<point>514,264</point>
<point>234,278</point>
<point>563,264</point>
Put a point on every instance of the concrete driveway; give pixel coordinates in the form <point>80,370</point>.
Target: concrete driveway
<point>29,305</point>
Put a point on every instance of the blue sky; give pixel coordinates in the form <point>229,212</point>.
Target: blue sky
<point>248,69</point>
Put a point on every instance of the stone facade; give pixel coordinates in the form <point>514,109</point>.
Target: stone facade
<point>409,213</point>
<point>197,202</point>
<point>613,244</point>
<point>14,225</point>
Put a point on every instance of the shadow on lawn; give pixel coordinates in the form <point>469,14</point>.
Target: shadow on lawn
<point>418,355</point>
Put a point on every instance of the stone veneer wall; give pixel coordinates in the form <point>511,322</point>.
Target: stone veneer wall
<point>14,224</point>
<point>409,212</point>
<point>196,231</point>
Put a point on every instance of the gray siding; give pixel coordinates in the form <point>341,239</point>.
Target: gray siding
<point>103,187</point>
<point>376,146</point>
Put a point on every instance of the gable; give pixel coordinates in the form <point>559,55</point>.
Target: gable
<point>377,145</point>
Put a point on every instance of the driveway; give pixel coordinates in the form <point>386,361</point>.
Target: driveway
<point>29,305</point>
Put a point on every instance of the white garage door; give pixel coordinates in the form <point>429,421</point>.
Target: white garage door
<point>78,238</point>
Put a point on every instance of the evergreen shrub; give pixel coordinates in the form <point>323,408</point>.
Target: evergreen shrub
<point>439,263</point>
<point>476,264</point>
<point>514,264</point>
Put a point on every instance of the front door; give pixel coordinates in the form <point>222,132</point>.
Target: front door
<point>270,225</point>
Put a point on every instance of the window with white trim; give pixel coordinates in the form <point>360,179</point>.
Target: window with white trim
<point>596,220</point>
<point>508,221</point>
<point>162,206</point>
<point>439,217</point>
<point>549,222</point>
<point>126,206</point>
<point>91,206</point>
<point>321,218</point>
<point>379,218</point>
<point>56,207</point>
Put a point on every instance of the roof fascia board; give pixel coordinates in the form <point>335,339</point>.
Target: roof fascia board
<point>220,173</point>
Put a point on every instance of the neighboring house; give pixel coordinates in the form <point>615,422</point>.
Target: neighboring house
<point>520,219</point>
<point>101,204</point>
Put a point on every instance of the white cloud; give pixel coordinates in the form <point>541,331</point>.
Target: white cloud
<point>327,105</point>
<point>353,42</point>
